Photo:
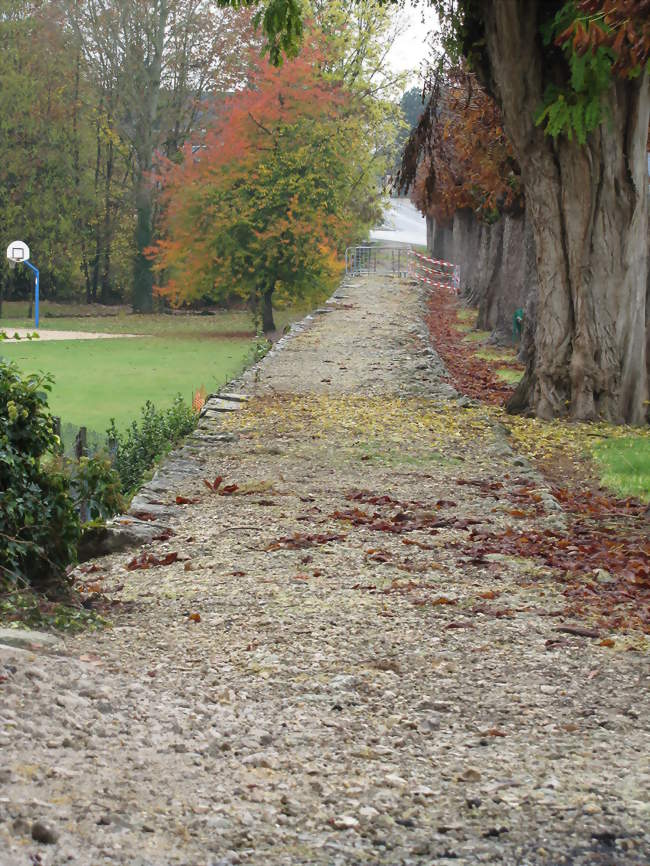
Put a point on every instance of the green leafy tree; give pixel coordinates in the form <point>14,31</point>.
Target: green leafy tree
<point>265,207</point>
<point>44,153</point>
<point>572,81</point>
<point>154,63</point>
<point>39,527</point>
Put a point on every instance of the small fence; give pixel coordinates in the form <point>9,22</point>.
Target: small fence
<point>401,262</point>
<point>435,272</point>
<point>378,260</point>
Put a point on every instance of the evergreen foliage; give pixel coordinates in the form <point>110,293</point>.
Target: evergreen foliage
<point>39,527</point>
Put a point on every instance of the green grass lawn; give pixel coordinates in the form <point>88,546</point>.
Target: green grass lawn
<point>625,465</point>
<point>235,323</point>
<point>96,380</point>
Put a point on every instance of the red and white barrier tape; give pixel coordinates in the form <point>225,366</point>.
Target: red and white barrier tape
<point>420,267</point>
<point>436,284</point>
<point>432,261</point>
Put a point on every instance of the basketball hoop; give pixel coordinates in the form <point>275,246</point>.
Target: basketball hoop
<point>18,253</point>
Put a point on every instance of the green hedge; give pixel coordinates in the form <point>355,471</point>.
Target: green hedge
<point>39,526</point>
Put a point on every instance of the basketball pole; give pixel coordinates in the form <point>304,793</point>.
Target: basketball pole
<point>36,271</point>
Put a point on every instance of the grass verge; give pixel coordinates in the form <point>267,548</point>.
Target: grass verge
<point>96,380</point>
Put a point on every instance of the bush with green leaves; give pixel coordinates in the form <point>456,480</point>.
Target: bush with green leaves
<point>145,441</point>
<point>95,486</point>
<point>39,526</point>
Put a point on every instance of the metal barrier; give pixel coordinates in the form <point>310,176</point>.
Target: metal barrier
<point>377,259</point>
<point>435,272</point>
<point>382,260</point>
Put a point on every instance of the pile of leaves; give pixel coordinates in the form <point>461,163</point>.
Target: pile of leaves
<point>602,559</point>
<point>470,375</point>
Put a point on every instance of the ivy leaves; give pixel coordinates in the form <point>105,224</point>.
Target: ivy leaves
<point>599,43</point>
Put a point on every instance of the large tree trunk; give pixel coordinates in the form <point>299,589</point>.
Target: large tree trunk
<point>144,151</point>
<point>268,325</point>
<point>588,209</point>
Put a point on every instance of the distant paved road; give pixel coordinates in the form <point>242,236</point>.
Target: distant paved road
<point>403,223</point>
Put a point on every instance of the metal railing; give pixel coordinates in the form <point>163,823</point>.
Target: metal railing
<point>377,259</point>
<point>391,261</point>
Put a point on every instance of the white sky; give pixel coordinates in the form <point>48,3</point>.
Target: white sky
<point>412,47</point>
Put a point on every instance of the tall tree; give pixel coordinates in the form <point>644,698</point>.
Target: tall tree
<point>155,59</point>
<point>44,147</point>
<point>264,208</point>
<point>581,69</point>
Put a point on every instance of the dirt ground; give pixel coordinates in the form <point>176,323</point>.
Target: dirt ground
<point>322,673</point>
<point>44,335</point>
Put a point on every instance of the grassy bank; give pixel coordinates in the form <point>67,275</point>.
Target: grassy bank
<point>96,380</point>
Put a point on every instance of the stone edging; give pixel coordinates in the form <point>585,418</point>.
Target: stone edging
<point>147,518</point>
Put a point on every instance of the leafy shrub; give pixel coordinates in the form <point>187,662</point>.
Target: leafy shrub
<point>96,487</point>
<point>136,450</point>
<point>39,527</point>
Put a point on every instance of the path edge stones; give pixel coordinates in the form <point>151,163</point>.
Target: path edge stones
<point>147,519</point>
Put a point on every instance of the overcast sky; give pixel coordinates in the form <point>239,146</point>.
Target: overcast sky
<point>412,47</point>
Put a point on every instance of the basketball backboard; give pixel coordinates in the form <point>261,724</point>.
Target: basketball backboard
<point>18,251</point>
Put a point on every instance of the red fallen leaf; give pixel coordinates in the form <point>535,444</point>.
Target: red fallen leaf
<point>517,512</point>
<point>214,485</point>
<point>421,545</point>
<point>446,503</point>
<point>493,732</point>
<point>301,540</point>
<point>578,630</point>
<point>187,566</point>
<point>444,600</point>
<point>151,673</point>
<point>228,490</point>
<point>238,573</point>
<point>459,625</point>
<point>301,577</point>
<point>148,560</point>
<point>195,617</point>
<point>607,642</point>
<point>89,569</point>
<point>165,535</point>
<point>556,643</point>
<point>184,500</point>
<point>490,594</point>
<point>317,572</point>
<point>144,515</point>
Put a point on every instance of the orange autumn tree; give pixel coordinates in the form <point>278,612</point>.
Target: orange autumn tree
<point>459,157</point>
<point>262,208</point>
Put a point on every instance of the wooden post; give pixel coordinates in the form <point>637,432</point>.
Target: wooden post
<point>81,443</point>
<point>57,432</point>
<point>111,443</point>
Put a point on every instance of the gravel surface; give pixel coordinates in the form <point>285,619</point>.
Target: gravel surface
<point>321,674</point>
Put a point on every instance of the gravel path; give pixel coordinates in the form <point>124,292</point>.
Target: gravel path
<point>323,675</point>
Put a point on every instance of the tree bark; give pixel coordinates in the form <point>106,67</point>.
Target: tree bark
<point>588,209</point>
<point>268,325</point>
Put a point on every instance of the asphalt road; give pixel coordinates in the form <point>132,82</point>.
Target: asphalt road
<point>402,223</point>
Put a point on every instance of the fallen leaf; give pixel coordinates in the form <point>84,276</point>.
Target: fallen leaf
<point>577,630</point>
<point>195,617</point>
